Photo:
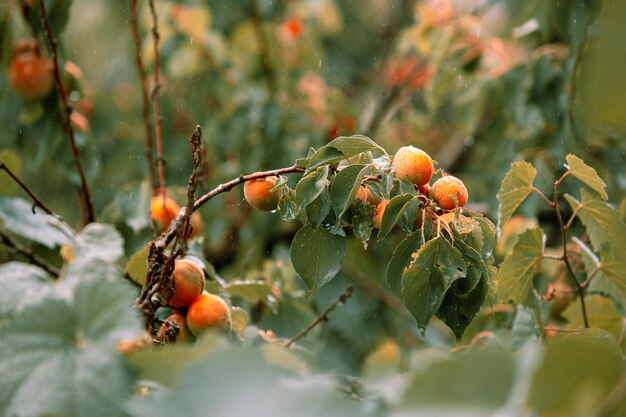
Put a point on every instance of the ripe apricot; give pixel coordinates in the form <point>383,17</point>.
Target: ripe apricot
<point>208,311</point>
<point>29,74</point>
<point>424,189</point>
<point>259,195</point>
<point>189,283</point>
<point>378,214</point>
<point>449,192</point>
<point>413,164</point>
<point>184,334</point>
<point>163,210</point>
<point>366,195</point>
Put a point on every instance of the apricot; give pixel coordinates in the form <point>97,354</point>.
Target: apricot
<point>424,189</point>
<point>184,334</point>
<point>189,283</point>
<point>29,74</point>
<point>413,164</point>
<point>163,210</point>
<point>449,192</point>
<point>366,195</point>
<point>208,311</point>
<point>377,219</point>
<point>259,195</point>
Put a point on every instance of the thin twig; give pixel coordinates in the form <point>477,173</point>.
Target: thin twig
<point>577,284</point>
<point>88,210</point>
<point>342,299</point>
<point>155,99</point>
<point>145,97</point>
<point>196,152</point>
<point>36,202</point>
<point>34,259</point>
<point>543,196</point>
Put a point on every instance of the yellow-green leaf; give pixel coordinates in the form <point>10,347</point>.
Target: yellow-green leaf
<point>586,174</point>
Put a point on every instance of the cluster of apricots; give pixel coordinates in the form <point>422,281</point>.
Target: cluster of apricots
<point>409,163</point>
<point>194,310</point>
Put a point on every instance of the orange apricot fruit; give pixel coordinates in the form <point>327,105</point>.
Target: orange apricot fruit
<point>259,195</point>
<point>208,311</point>
<point>30,74</point>
<point>366,195</point>
<point>184,334</point>
<point>189,283</point>
<point>449,192</point>
<point>413,164</point>
<point>163,209</point>
<point>377,219</point>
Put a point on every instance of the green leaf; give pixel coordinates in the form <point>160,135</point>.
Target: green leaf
<point>410,215</point>
<point>436,265</point>
<point>586,174</point>
<point>524,327</point>
<point>515,277</point>
<point>12,161</point>
<point>311,186</point>
<point>391,214</point>
<point>21,284</point>
<point>341,148</point>
<point>516,186</point>
<point>132,203</point>
<point>601,313</point>
<point>318,209</point>
<point>251,291</point>
<point>62,351</point>
<point>400,259</point>
<point>240,382</point>
<point>98,241</point>
<point>17,216</point>
<point>589,363</point>
<point>137,266</point>
<point>362,221</point>
<point>457,310</point>
<point>605,228</point>
<point>316,256</point>
<point>488,235</point>
<point>344,187</point>
<point>324,156</point>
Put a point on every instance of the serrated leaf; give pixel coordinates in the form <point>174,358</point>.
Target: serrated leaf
<point>17,216</point>
<point>344,187</point>
<point>401,257</point>
<point>362,221</point>
<point>605,228</point>
<point>21,284</point>
<point>586,174</point>
<point>317,256</point>
<point>390,216</point>
<point>137,266</point>
<point>324,156</point>
<point>410,215</point>
<point>488,235</point>
<point>457,311</point>
<point>352,145</point>
<point>436,265</point>
<point>311,186</point>
<point>515,277</point>
<point>72,342</point>
<point>516,186</point>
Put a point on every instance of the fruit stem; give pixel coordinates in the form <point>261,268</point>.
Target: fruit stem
<point>88,210</point>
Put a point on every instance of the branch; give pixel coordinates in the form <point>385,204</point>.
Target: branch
<point>88,211</point>
<point>196,152</point>
<point>34,259</point>
<point>342,299</point>
<point>36,202</point>
<point>145,110</point>
<point>155,99</point>
<point>577,284</point>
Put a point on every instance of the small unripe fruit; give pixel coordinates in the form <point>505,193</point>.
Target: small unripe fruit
<point>184,334</point>
<point>366,195</point>
<point>259,195</point>
<point>377,219</point>
<point>163,210</point>
<point>29,74</point>
<point>189,283</point>
<point>449,192</point>
<point>413,164</point>
<point>208,311</point>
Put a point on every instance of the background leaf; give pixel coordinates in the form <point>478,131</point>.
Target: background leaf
<point>587,175</point>
<point>515,187</point>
